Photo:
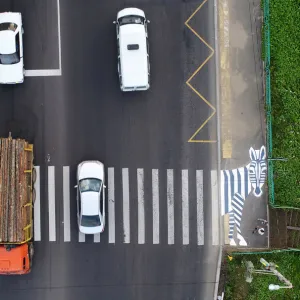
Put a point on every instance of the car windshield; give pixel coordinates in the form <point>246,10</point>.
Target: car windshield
<point>90,185</point>
<point>9,59</point>
<point>8,26</point>
<point>90,221</point>
<point>131,20</point>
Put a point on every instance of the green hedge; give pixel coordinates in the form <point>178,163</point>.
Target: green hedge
<point>285,87</point>
<point>238,289</point>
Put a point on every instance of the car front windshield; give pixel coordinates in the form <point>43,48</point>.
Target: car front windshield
<point>90,185</point>
<point>131,20</point>
<point>8,26</point>
<point>90,221</point>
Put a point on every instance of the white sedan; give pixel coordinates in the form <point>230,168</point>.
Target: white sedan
<point>11,48</point>
<point>90,197</point>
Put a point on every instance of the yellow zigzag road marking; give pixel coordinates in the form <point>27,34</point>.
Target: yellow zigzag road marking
<point>191,140</point>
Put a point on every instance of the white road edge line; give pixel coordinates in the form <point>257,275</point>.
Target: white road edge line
<point>50,72</point>
<point>66,198</point>
<point>81,237</point>
<point>42,73</point>
<point>111,206</point>
<point>126,207</point>
<point>215,213</point>
<point>155,199</point>
<point>141,206</point>
<point>200,219</point>
<point>170,199</point>
<point>185,208</point>
<point>59,36</point>
<point>97,238</point>
<point>51,203</point>
<point>37,206</point>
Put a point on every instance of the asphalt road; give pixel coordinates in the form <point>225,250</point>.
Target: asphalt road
<point>83,115</point>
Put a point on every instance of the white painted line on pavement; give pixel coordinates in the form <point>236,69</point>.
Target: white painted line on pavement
<point>170,199</point>
<point>81,237</point>
<point>97,238</point>
<point>50,72</point>
<point>200,219</point>
<point>214,208</point>
<point>126,209</point>
<point>37,206</point>
<point>141,206</point>
<point>155,198</point>
<point>59,35</point>
<point>66,195</point>
<point>111,206</point>
<point>51,203</point>
<point>185,208</point>
<point>42,72</point>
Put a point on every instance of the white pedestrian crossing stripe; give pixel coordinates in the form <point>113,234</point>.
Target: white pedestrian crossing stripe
<point>161,196</point>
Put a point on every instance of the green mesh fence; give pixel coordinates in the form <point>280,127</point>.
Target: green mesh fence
<point>268,100</point>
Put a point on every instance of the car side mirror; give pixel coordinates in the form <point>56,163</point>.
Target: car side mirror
<point>75,186</point>
<point>148,21</point>
<point>105,186</point>
<point>114,22</point>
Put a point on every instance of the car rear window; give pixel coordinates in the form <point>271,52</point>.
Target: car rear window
<point>90,221</point>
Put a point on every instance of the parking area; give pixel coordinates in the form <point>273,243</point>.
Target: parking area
<point>42,45</point>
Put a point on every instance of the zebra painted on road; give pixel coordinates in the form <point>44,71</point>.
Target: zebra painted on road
<point>236,185</point>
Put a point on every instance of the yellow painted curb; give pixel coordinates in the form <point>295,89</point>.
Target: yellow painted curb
<point>225,89</point>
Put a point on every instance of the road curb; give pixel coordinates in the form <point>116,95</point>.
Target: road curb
<point>217,65</point>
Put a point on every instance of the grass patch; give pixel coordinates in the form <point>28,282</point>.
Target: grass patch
<point>238,289</point>
<point>285,84</point>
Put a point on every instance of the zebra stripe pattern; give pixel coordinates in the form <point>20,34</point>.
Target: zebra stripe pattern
<point>235,215</point>
<point>237,184</point>
<point>232,182</point>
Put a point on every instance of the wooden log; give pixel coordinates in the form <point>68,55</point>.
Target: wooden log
<point>1,198</point>
<point>6,204</point>
<point>23,189</point>
<point>15,190</point>
<point>11,207</point>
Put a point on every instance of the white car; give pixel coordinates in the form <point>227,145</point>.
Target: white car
<point>90,197</point>
<point>11,48</point>
<point>133,50</point>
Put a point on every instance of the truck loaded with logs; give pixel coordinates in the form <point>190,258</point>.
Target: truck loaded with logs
<point>17,196</point>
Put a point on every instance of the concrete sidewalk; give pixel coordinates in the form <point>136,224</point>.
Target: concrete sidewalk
<point>242,117</point>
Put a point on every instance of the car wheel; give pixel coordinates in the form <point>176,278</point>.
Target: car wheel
<point>33,196</point>
<point>33,175</point>
<point>31,253</point>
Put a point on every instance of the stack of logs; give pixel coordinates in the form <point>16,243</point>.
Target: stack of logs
<point>15,190</point>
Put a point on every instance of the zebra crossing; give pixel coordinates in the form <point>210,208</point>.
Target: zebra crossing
<point>119,196</point>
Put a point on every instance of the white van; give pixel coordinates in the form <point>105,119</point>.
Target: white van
<point>133,50</point>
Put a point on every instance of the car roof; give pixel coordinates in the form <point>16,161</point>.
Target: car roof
<point>7,42</point>
<point>134,63</point>
<point>90,204</point>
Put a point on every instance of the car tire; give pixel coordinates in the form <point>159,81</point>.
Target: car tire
<point>31,253</point>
